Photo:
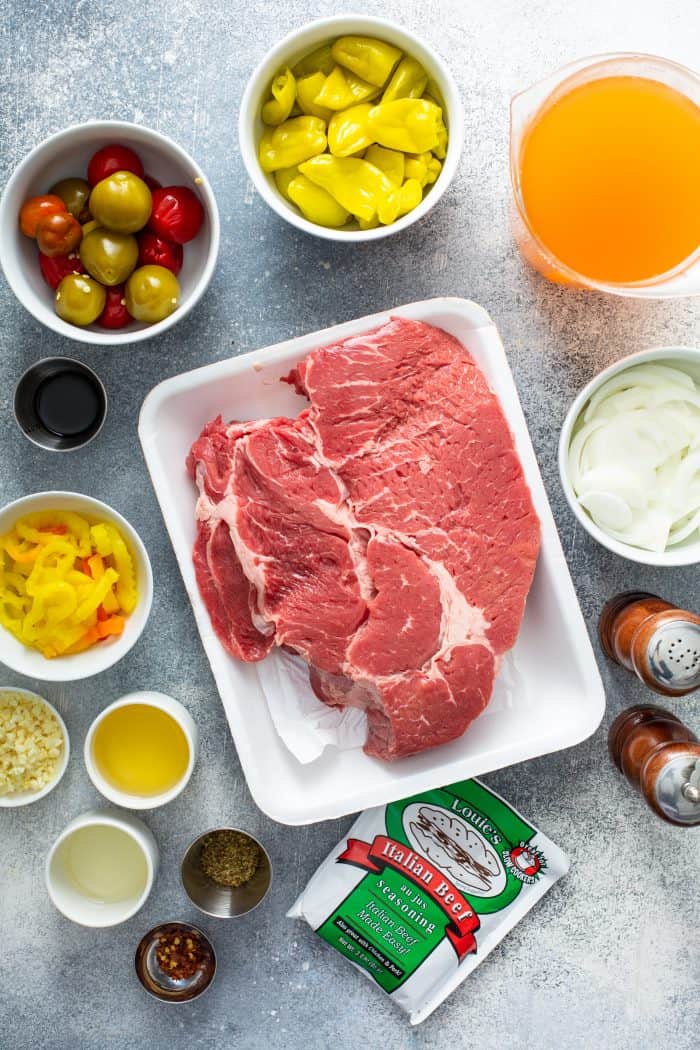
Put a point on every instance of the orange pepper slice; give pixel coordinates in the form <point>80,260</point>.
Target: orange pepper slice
<point>113,626</point>
<point>89,638</point>
<point>96,567</point>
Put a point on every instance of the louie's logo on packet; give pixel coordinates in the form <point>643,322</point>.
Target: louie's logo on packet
<point>420,886</point>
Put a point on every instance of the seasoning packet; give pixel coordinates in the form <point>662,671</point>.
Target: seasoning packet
<point>423,889</point>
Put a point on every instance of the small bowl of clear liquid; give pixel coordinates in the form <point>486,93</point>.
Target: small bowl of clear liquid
<point>101,868</point>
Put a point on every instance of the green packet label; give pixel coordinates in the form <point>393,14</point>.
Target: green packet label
<point>422,889</point>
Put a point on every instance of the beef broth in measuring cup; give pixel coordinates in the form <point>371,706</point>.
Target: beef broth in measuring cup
<point>605,165</point>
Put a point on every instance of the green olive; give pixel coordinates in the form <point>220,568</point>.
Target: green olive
<point>74,193</point>
<point>121,202</point>
<point>152,293</point>
<point>107,256</point>
<point>79,299</point>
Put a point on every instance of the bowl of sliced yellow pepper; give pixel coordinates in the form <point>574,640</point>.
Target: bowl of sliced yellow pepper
<point>75,586</point>
<point>351,128</point>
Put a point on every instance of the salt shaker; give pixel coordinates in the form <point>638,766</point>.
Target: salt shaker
<point>660,756</point>
<point>649,636</point>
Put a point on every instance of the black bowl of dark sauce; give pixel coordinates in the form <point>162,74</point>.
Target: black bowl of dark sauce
<point>60,404</point>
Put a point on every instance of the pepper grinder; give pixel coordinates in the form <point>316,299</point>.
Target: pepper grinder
<point>659,756</point>
<point>654,640</point>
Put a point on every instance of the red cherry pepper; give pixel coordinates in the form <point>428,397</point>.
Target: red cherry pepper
<point>54,270</point>
<point>58,234</point>
<point>37,208</point>
<point>177,214</point>
<point>156,251</point>
<point>115,313</point>
<point>110,159</point>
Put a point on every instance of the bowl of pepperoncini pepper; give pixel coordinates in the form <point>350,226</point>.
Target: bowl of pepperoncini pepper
<point>351,128</point>
<point>76,586</point>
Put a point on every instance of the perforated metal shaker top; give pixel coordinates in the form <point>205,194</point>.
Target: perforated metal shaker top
<point>673,655</point>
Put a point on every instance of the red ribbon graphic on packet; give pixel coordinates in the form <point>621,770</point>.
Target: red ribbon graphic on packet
<point>384,852</point>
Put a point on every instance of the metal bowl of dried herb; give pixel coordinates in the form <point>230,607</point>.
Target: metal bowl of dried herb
<point>226,872</point>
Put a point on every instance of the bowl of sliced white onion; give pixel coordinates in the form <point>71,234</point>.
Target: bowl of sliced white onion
<point>629,456</point>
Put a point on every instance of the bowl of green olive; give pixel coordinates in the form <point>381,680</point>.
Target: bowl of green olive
<point>351,128</point>
<point>109,233</point>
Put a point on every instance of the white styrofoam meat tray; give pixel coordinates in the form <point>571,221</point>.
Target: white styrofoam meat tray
<point>562,699</point>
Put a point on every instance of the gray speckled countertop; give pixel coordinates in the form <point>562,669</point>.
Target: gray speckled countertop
<point>611,957</point>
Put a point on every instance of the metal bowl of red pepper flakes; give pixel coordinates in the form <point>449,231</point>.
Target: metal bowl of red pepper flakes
<point>175,962</point>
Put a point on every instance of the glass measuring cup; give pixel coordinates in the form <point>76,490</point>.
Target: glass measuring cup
<point>529,105</point>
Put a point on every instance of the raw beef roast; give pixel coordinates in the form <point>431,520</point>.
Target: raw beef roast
<point>386,534</point>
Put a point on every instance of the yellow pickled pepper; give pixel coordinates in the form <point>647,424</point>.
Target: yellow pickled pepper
<point>407,124</point>
<point>425,167</point>
<point>440,150</point>
<point>368,58</point>
<point>108,542</point>
<point>284,93</point>
<point>296,140</point>
<point>316,204</point>
<point>283,176</point>
<point>410,194</point>
<point>408,81</point>
<point>319,61</point>
<point>348,130</point>
<point>357,185</point>
<point>342,89</point>
<point>307,89</point>
<point>391,161</point>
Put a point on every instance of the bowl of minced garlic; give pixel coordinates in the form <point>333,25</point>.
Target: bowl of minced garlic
<point>34,747</point>
<point>226,872</point>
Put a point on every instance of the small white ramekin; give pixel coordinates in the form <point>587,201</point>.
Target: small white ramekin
<point>31,662</point>
<point>686,553</point>
<point>288,52</point>
<point>23,798</point>
<point>180,715</point>
<point>67,154</point>
<point>80,908</point>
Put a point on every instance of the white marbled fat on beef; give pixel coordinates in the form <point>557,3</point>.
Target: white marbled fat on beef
<point>386,534</point>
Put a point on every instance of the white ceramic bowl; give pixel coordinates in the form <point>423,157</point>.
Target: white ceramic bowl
<point>67,153</point>
<point>288,52</point>
<point>685,553</point>
<point>23,798</point>
<point>81,907</point>
<point>31,662</point>
<point>179,714</point>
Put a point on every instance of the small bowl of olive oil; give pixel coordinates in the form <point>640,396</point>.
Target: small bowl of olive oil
<point>141,750</point>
